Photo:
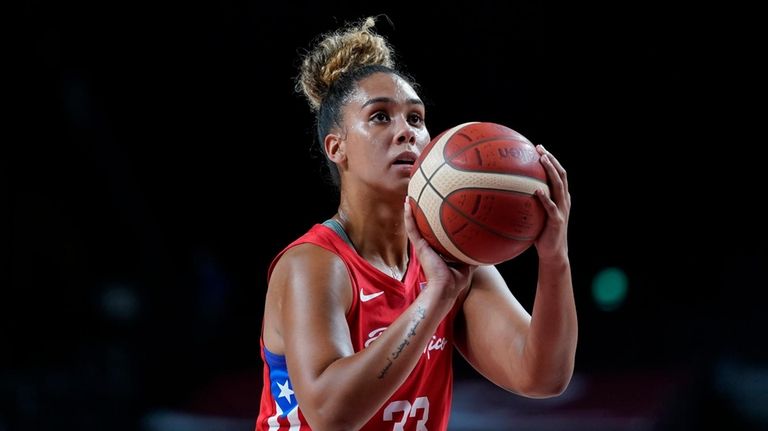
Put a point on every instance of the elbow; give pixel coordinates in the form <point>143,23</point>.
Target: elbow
<point>545,386</point>
<point>328,419</point>
<point>325,416</point>
<point>331,424</point>
<point>326,409</point>
<point>553,389</point>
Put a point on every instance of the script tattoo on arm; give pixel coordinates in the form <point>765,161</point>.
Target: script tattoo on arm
<point>415,322</point>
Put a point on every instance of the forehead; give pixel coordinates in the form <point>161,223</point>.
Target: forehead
<point>383,85</point>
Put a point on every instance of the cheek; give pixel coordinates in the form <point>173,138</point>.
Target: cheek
<point>422,139</point>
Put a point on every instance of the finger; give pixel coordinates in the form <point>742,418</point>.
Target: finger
<point>429,258</point>
<point>410,227</point>
<point>564,196</point>
<point>559,167</point>
<point>563,178</point>
<point>549,205</point>
<point>558,187</point>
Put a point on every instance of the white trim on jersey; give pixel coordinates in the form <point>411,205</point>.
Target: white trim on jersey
<point>274,425</point>
<point>293,419</point>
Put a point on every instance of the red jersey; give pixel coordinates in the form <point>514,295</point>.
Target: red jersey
<point>423,402</point>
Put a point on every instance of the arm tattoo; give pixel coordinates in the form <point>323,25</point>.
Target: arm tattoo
<point>415,322</point>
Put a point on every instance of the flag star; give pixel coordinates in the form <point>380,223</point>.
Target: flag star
<point>285,390</point>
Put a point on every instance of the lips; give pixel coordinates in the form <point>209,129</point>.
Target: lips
<point>406,158</point>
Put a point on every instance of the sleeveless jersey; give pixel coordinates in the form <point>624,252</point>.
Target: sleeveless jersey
<point>423,402</point>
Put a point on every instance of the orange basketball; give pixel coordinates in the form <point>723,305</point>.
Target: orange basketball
<point>472,193</point>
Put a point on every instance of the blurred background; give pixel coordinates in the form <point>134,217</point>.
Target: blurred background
<point>158,158</point>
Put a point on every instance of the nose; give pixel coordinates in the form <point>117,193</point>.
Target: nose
<point>406,135</point>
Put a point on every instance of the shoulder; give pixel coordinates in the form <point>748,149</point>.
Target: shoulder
<point>308,262</point>
<point>306,281</point>
<point>312,274</point>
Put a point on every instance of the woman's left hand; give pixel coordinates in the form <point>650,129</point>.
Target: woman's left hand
<point>552,243</point>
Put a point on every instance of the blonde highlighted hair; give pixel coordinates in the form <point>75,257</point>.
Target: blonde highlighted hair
<point>338,52</point>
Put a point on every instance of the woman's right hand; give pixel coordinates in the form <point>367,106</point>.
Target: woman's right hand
<point>449,278</point>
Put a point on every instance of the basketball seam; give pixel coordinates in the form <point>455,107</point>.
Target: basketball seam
<point>424,174</point>
<point>429,181</point>
<point>471,146</point>
<point>483,225</point>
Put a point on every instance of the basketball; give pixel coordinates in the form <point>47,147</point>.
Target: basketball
<point>472,193</point>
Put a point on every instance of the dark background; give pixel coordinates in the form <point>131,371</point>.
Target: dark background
<point>158,158</point>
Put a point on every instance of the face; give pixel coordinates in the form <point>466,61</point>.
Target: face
<point>383,132</point>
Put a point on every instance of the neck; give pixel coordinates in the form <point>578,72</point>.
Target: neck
<point>376,229</point>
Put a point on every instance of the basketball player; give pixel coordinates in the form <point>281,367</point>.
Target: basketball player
<point>361,314</point>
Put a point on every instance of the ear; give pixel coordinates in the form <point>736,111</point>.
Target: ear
<point>334,148</point>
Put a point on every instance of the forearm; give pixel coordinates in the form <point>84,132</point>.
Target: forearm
<point>550,348</point>
<point>349,391</point>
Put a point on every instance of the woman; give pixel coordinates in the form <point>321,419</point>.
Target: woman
<point>361,314</point>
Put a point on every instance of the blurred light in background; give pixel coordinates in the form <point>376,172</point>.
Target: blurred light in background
<point>119,302</point>
<point>609,288</point>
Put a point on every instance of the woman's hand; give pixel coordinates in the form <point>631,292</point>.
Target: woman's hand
<point>552,243</point>
<point>452,277</point>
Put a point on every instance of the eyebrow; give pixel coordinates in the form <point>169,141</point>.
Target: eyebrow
<point>412,101</point>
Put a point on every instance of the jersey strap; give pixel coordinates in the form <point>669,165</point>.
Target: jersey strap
<point>336,227</point>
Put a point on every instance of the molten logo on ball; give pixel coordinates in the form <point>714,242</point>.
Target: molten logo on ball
<point>471,192</point>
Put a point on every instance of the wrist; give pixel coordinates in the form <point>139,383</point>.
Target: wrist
<point>554,262</point>
<point>438,295</point>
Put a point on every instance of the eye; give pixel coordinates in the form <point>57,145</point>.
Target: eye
<point>416,119</point>
<point>380,117</point>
